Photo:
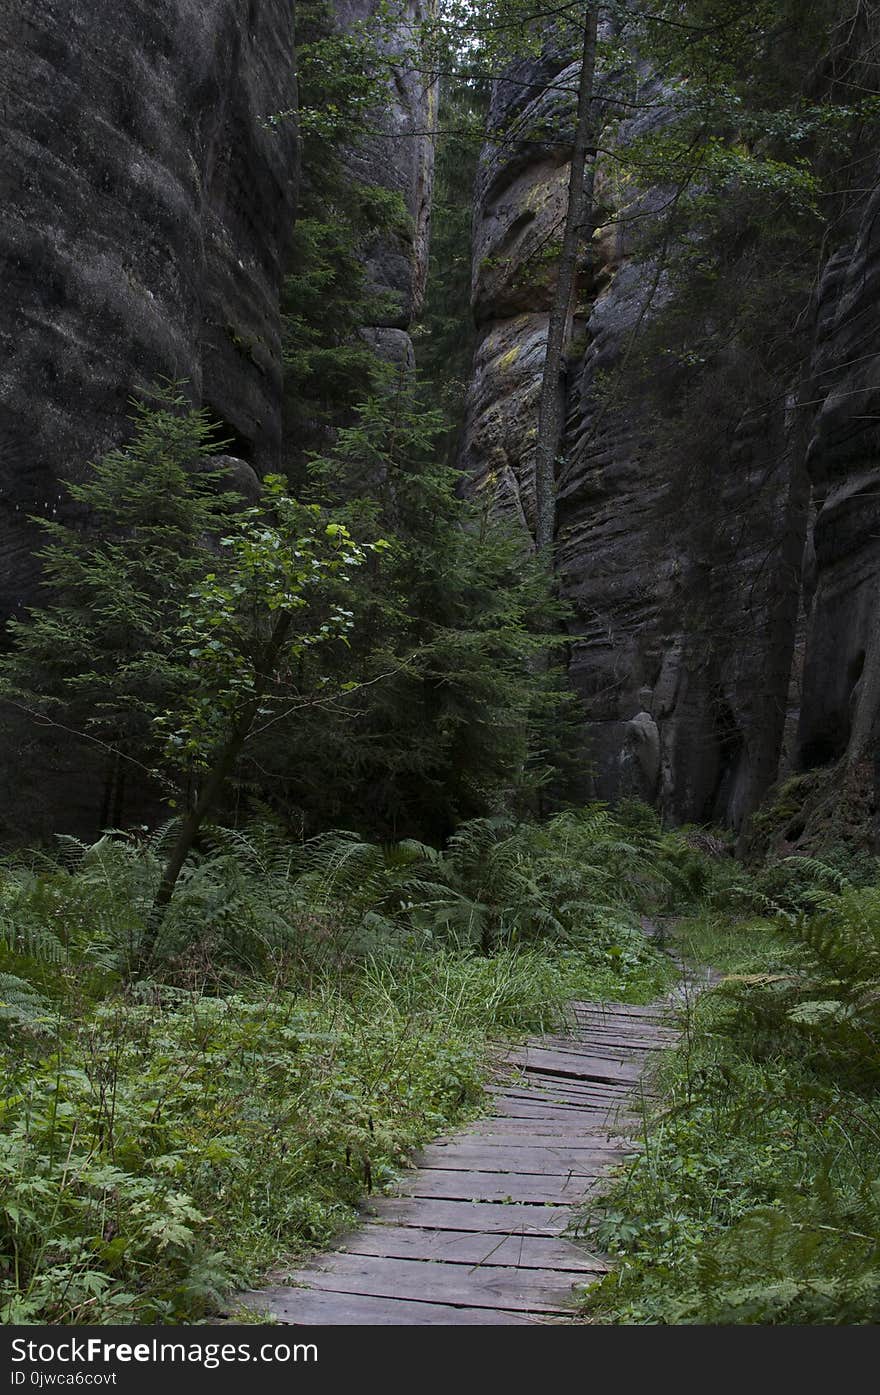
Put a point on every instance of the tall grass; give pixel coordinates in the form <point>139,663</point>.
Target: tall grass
<point>756,1195</point>
<point>317,1010</point>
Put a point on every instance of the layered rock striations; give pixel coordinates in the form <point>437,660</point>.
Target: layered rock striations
<point>146,211</point>
<point>147,207</point>
<point>396,153</point>
<point>839,718</point>
<point>683,569</point>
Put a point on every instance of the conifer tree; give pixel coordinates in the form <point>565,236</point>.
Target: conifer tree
<point>450,716</point>
<point>176,619</point>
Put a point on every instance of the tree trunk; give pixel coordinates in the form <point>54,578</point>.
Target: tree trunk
<point>212,787</point>
<point>551,415</point>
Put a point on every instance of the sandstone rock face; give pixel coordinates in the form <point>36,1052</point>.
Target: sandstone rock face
<point>145,217</point>
<point>841,685</point>
<point>726,608</point>
<point>146,211</point>
<point>683,576</point>
<point>397,154</point>
<point>519,198</point>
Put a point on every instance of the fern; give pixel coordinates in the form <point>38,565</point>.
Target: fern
<point>22,1006</point>
<point>253,894</point>
<point>814,1258</point>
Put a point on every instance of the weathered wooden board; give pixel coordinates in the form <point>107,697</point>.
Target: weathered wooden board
<point>490,1218</point>
<point>621,1009</point>
<point>645,1026</point>
<point>598,1037</point>
<point>554,1088</point>
<point>627,1029</point>
<point>601,1043</point>
<point>306,1307</point>
<point>519,1290</point>
<point>488,1186</point>
<point>520,1112</point>
<point>542,1121</point>
<point>477,1156</point>
<point>527,1133</point>
<point>473,1249</point>
<point>539,1077</point>
<point>613,1119</point>
<point>636,1022</point>
<point>570,1065</point>
<point>561,1097</point>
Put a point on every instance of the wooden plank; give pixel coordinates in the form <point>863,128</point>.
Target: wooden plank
<point>622,1009</point>
<point>561,1109</point>
<point>564,1112</point>
<point>590,1128</point>
<point>601,1040</point>
<point>624,1022</point>
<point>488,1186</point>
<point>649,1017</point>
<point>510,1134</point>
<point>524,1104</point>
<point>594,1043</point>
<point>561,1117</point>
<point>560,1122</point>
<point>583,1043</point>
<point>473,1249</point>
<point>525,1134</point>
<point>477,1156</point>
<point>586,1023</point>
<point>535,1074</point>
<point>554,1088</point>
<point>610,1040</point>
<point>301,1307</point>
<point>564,1098</point>
<point>621,1029</point>
<point>575,1093</point>
<point>519,1290</point>
<point>569,1096</point>
<point>625,1029</point>
<point>567,1064</point>
<point>486,1217</point>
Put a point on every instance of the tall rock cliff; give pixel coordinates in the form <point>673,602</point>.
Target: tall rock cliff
<point>839,719</point>
<point>146,210</point>
<point>683,571</point>
<point>148,204</point>
<point>396,153</point>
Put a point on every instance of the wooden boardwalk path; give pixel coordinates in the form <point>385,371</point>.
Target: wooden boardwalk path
<point>476,1232</point>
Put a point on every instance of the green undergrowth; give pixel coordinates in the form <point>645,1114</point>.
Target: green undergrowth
<point>755,1195</point>
<point>315,1011</point>
<point>172,1142</point>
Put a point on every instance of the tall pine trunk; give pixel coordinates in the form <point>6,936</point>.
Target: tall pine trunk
<point>551,414</point>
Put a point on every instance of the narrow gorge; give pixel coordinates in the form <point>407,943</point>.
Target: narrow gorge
<point>440,668</point>
<point>719,561</point>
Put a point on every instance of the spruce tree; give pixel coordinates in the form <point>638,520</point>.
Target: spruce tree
<point>450,717</point>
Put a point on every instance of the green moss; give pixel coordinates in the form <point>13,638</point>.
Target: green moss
<point>783,815</point>
<point>248,345</point>
<point>508,359</point>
